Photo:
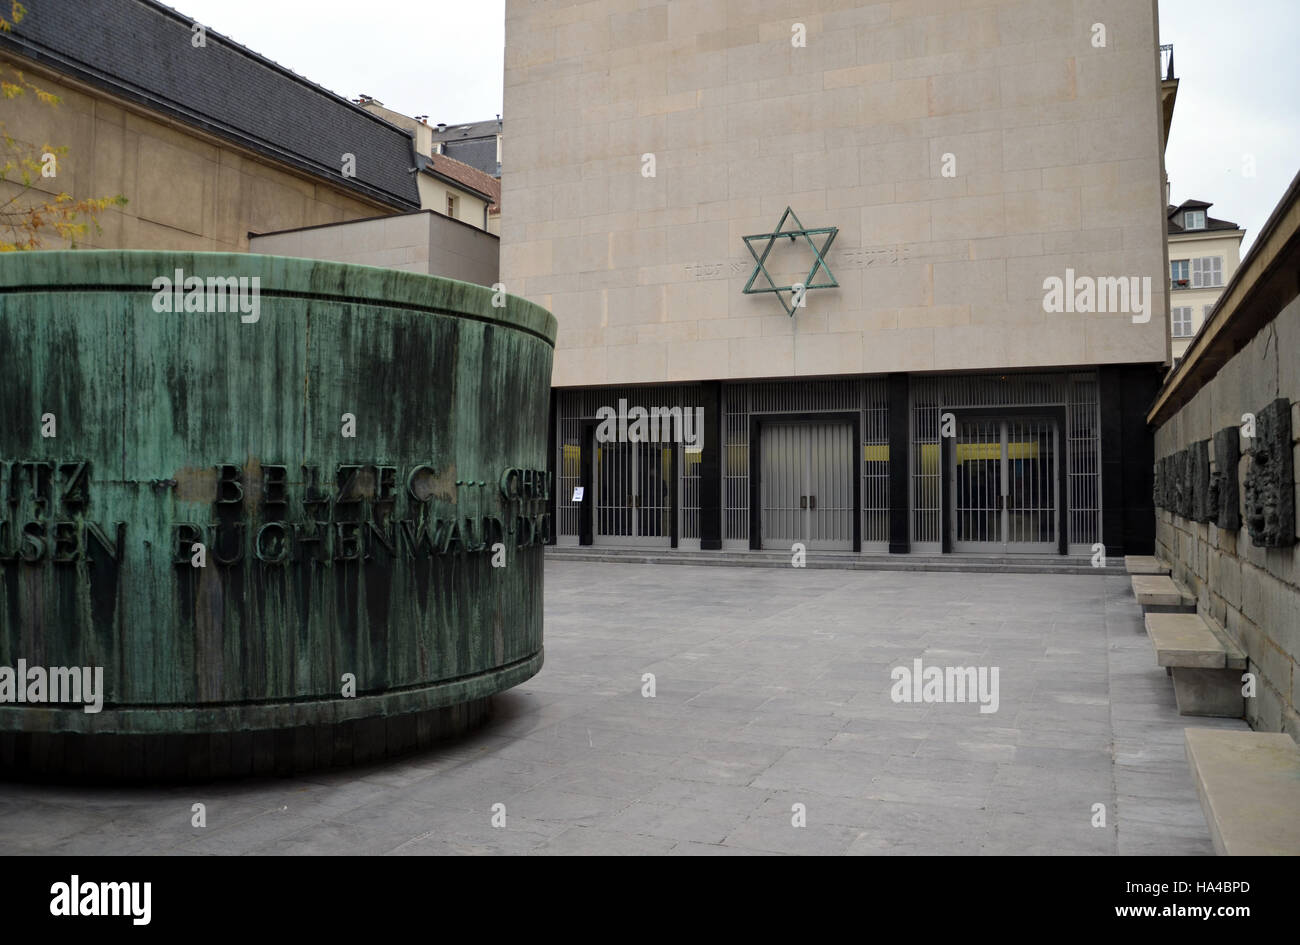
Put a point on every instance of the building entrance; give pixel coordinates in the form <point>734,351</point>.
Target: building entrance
<point>634,496</point>
<point>1002,477</point>
<point>806,485</point>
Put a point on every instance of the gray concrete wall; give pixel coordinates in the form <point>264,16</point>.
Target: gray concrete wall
<point>1253,592</point>
<point>424,242</point>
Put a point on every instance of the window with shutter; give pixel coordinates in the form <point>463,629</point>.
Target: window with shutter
<point>1207,271</point>
<point>1182,319</point>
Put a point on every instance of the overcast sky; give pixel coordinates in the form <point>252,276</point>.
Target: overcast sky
<point>1236,62</point>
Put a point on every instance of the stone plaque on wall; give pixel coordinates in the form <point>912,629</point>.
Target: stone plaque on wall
<point>1198,472</point>
<point>1270,480</point>
<point>1167,483</point>
<point>1181,503</point>
<point>1223,485</point>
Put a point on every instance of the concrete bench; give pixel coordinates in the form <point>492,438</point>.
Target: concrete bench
<point>1158,594</point>
<point>1145,564</point>
<point>1206,666</point>
<point>1249,785</point>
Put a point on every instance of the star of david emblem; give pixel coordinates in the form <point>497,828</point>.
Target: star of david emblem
<point>819,261</point>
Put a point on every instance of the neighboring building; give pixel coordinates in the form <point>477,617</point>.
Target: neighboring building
<point>476,143</point>
<point>454,234</point>
<point>461,192</point>
<point>1203,255</point>
<point>447,185</point>
<point>964,159</point>
<point>205,142</point>
<point>1227,439</point>
<point>422,241</point>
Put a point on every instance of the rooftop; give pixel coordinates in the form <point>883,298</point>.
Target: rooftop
<point>142,51</point>
<point>463,174</point>
<point>471,129</point>
<point>1174,213</point>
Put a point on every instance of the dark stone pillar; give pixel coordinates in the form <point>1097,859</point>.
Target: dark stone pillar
<point>1128,520</point>
<point>899,447</point>
<point>711,467</point>
<point>587,479</point>
<point>551,470</point>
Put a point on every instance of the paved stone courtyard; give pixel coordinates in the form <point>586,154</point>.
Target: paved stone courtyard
<point>772,689</point>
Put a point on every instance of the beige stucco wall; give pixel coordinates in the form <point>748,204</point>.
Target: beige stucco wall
<point>1226,244</point>
<point>422,133</point>
<point>433,190</point>
<point>416,242</point>
<point>433,196</point>
<point>1058,161</point>
<point>185,191</point>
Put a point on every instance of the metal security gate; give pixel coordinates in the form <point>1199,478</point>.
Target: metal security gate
<point>634,497</point>
<point>1003,478</point>
<point>576,464</point>
<point>806,485</point>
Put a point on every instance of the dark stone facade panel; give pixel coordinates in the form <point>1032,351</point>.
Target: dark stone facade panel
<point>1180,482</point>
<point>1198,461</point>
<point>1227,495</point>
<point>1270,480</point>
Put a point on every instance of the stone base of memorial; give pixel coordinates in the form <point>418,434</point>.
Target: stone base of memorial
<point>260,515</point>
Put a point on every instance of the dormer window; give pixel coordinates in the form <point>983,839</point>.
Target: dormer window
<point>1193,219</point>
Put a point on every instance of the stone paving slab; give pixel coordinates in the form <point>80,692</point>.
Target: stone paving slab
<point>772,707</point>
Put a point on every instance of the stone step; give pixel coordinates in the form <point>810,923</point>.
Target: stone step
<point>1234,657</point>
<point>1185,640</point>
<point>1160,594</point>
<point>1204,663</point>
<point>1145,564</point>
<point>1249,785</point>
<point>999,564</point>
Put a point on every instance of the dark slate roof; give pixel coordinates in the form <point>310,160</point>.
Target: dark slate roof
<point>1210,222</point>
<point>468,129</point>
<point>141,50</point>
<point>478,152</point>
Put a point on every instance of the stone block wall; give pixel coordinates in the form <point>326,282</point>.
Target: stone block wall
<point>965,152</point>
<point>1234,547</point>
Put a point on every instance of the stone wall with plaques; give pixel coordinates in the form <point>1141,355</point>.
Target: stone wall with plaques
<point>1226,509</point>
<point>261,514</point>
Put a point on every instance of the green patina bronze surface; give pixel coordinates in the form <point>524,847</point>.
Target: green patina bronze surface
<point>370,555</point>
<point>819,261</point>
